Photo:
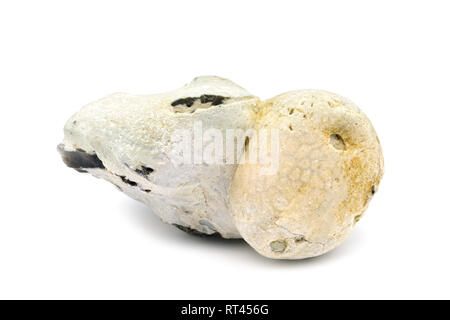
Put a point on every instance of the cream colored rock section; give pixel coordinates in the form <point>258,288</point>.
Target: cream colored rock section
<point>330,166</point>
<point>130,131</point>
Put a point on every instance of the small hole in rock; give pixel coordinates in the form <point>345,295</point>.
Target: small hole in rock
<point>247,141</point>
<point>291,111</point>
<point>290,127</point>
<point>337,142</point>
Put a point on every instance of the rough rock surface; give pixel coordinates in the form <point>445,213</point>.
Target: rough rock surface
<point>330,165</point>
<point>126,140</point>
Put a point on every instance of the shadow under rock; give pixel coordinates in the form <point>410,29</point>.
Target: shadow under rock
<point>152,224</point>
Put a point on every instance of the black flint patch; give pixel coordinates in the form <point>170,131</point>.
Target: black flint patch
<point>125,180</point>
<point>206,98</point>
<point>80,159</point>
<point>196,232</point>
<point>144,171</point>
<point>188,102</point>
<point>214,100</point>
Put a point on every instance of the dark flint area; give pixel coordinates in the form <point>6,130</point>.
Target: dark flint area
<point>214,100</point>
<point>144,171</point>
<point>188,102</point>
<point>125,180</point>
<point>80,159</point>
<point>206,98</point>
<point>195,232</point>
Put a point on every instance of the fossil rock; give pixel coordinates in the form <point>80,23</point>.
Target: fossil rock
<point>330,165</point>
<point>126,140</point>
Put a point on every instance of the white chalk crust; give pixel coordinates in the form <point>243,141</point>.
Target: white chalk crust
<point>131,135</point>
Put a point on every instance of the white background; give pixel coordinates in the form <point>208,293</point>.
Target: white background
<point>68,235</point>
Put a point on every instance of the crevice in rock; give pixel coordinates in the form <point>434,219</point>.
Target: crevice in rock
<point>337,142</point>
